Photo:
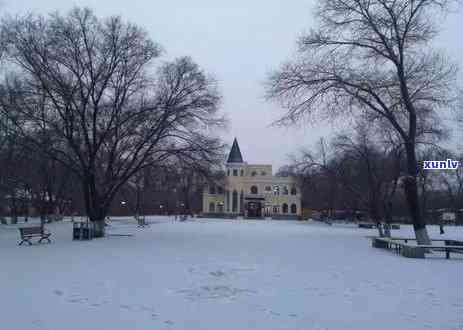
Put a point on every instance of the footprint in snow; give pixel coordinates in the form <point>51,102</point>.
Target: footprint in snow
<point>217,273</point>
<point>147,309</point>
<point>311,289</point>
<point>410,316</point>
<point>38,323</point>
<point>77,300</point>
<point>265,310</point>
<point>58,292</point>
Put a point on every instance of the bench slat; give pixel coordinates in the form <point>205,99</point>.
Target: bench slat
<point>457,247</point>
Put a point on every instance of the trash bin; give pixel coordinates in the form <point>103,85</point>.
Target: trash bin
<point>82,231</point>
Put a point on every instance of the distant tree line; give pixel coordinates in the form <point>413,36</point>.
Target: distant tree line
<point>361,172</point>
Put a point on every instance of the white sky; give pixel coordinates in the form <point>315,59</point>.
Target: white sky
<point>239,42</point>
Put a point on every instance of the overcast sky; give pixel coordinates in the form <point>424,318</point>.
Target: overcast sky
<point>239,42</point>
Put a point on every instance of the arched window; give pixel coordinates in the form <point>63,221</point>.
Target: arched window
<point>212,190</point>
<point>235,201</point>
<point>284,208</point>
<point>293,191</point>
<point>228,172</point>
<point>242,173</point>
<point>254,190</point>
<point>211,207</point>
<point>268,188</point>
<point>285,190</point>
<point>263,173</point>
<point>220,190</point>
<point>235,172</point>
<point>254,173</point>
<point>293,208</point>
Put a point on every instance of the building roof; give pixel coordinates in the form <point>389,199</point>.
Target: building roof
<point>235,154</point>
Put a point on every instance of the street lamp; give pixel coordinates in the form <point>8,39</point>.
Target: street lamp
<point>221,207</point>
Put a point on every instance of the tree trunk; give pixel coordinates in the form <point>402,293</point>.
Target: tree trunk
<point>94,207</point>
<point>411,195</point>
<point>97,216</point>
<point>380,229</point>
<point>99,228</point>
<point>387,218</point>
<point>42,222</point>
<point>14,211</point>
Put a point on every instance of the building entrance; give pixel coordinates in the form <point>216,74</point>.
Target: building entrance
<point>254,209</point>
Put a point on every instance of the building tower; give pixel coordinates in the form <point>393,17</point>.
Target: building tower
<point>235,168</point>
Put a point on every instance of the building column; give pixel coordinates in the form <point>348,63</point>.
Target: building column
<point>238,202</point>
<point>242,202</point>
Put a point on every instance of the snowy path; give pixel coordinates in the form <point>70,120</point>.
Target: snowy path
<point>225,275</point>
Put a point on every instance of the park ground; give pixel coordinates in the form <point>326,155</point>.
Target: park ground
<point>225,275</point>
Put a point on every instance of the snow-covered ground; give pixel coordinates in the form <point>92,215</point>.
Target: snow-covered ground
<point>225,275</point>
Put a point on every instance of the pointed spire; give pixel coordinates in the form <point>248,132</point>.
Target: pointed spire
<point>235,153</point>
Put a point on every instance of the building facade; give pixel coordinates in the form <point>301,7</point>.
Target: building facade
<point>252,191</point>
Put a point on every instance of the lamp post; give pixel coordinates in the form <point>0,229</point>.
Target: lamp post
<point>221,207</point>
<point>276,192</point>
<point>123,206</point>
<point>182,211</point>
<point>160,209</point>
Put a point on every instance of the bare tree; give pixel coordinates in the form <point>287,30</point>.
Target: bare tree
<point>376,164</point>
<point>393,164</point>
<point>451,181</point>
<point>90,83</point>
<point>361,157</point>
<point>318,173</point>
<point>192,176</point>
<point>372,56</point>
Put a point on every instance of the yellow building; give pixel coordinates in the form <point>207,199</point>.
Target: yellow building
<point>252,191</point>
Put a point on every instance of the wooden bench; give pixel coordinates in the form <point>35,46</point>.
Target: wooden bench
<point>450,245</point>
<point>445,248</point>
<point>369,225</point>
<point>400,246</point>
<point>387,243</point>
<point>406,239</point>
<point>27,233</point>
